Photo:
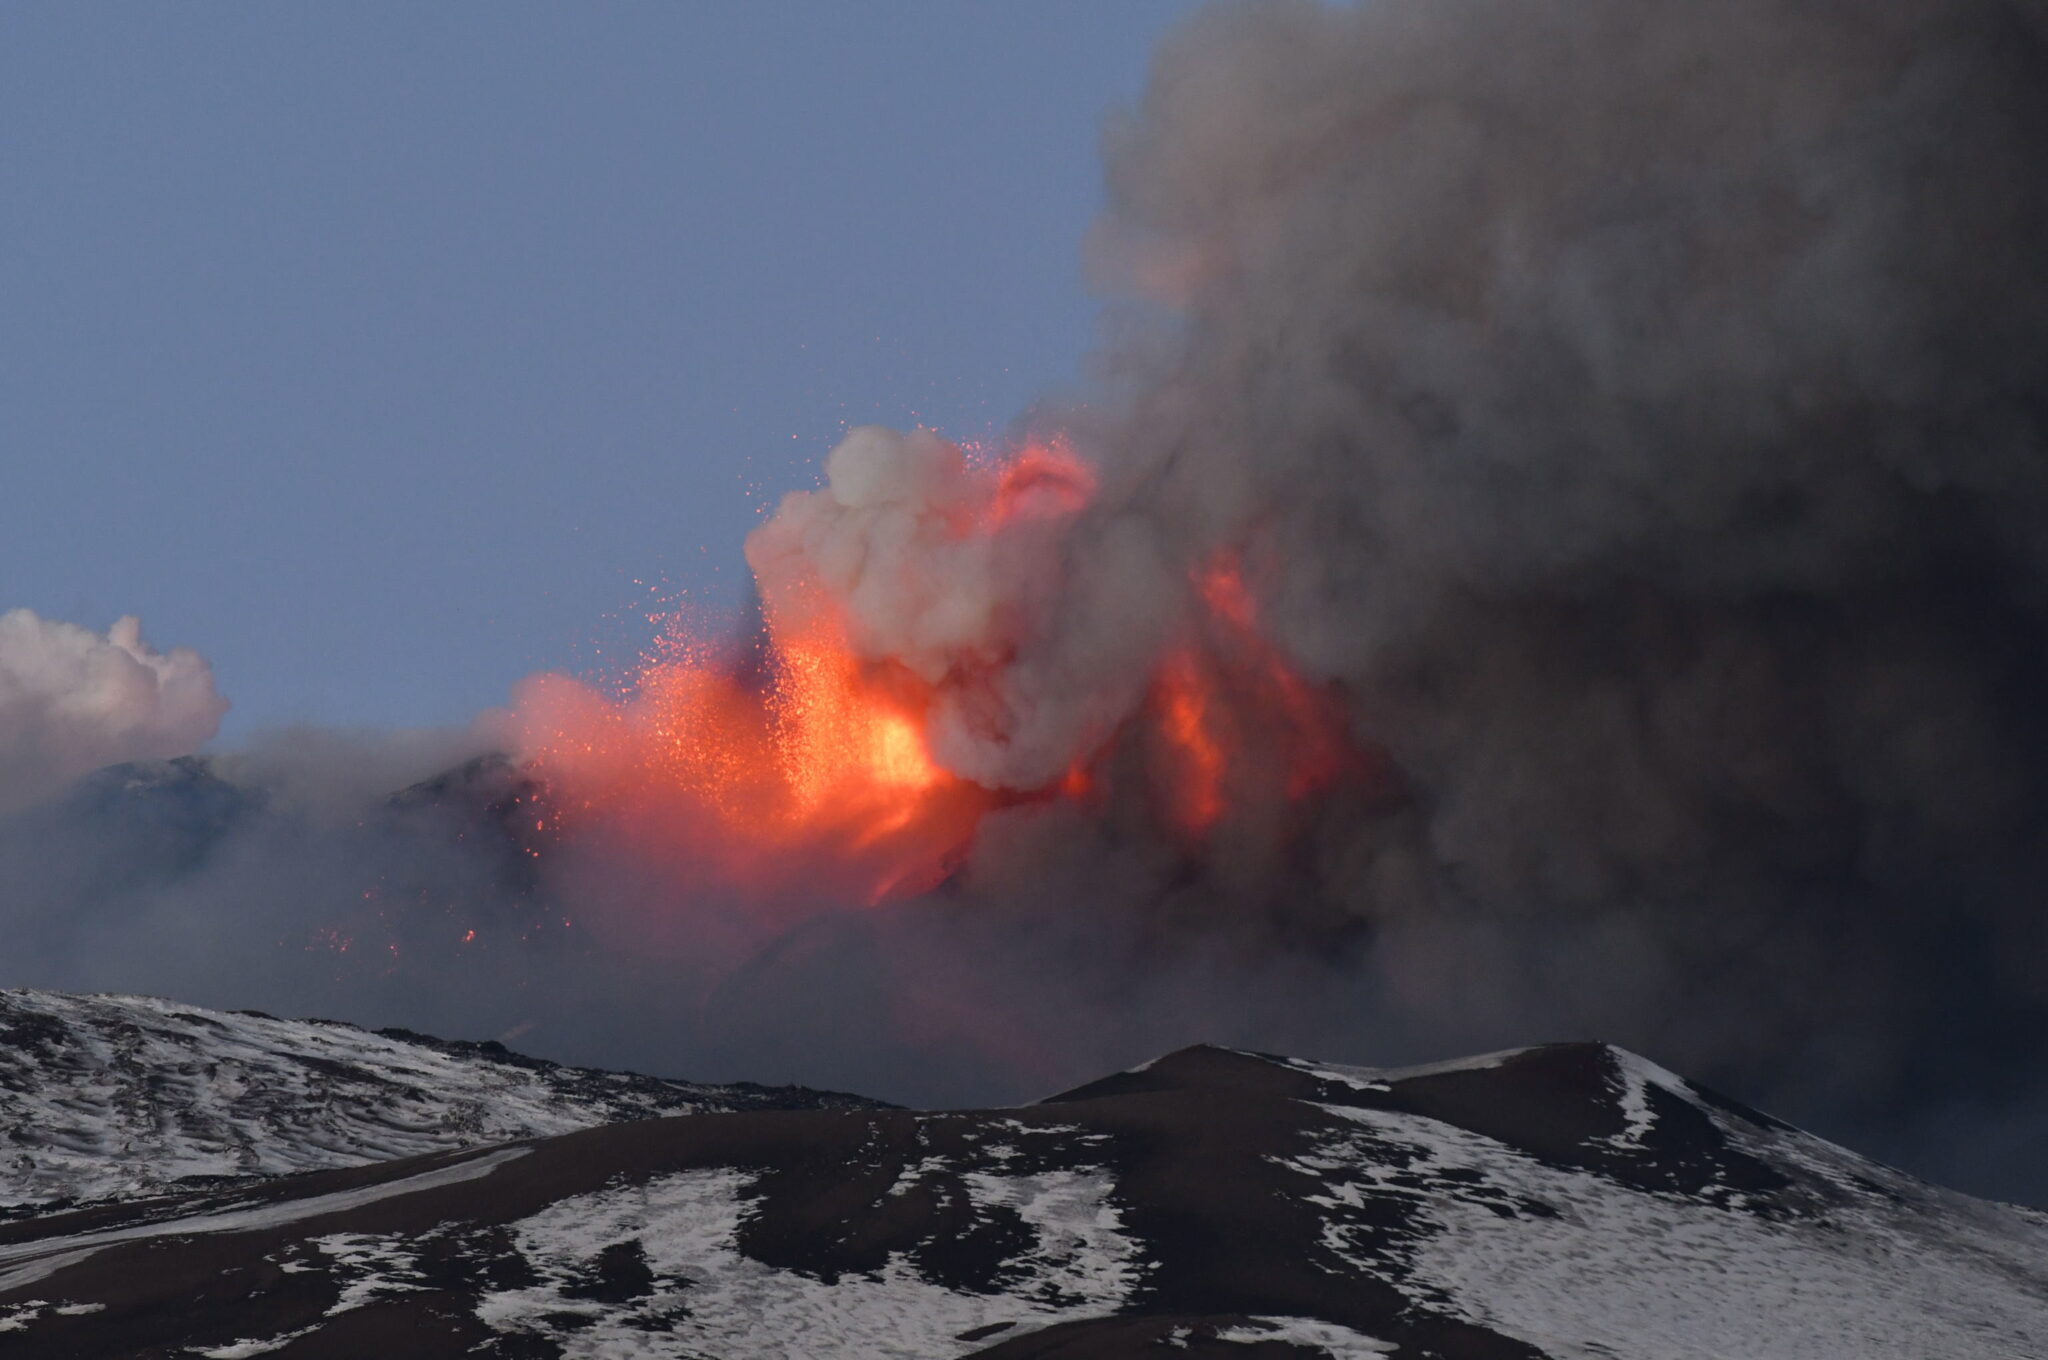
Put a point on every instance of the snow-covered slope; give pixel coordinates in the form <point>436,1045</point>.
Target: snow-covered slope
<point>123,1095</point>
<point>1567,1202</point>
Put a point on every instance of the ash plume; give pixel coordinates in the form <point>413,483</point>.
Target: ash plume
<point>1638,413</point>
<point>1641,412</point>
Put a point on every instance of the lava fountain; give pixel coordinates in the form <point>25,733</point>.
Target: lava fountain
<point>803,767</point>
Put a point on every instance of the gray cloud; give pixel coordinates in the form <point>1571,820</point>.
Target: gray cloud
<point>1641,412</point>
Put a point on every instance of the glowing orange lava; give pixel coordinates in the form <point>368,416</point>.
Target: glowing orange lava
<point>802,768</point>
<point>1195,788</point>
<point>815,775</point>
<point>1041,478</point>
<point>1236,719</point>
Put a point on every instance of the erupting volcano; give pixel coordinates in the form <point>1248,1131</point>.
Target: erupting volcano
<point>844,751</point>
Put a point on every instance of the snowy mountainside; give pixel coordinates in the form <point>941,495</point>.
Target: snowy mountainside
<point>122,1095</point>
<point>1572,1202</point>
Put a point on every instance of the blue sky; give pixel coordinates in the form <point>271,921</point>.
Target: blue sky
<point>376,351</point>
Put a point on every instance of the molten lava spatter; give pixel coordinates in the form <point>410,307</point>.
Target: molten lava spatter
<point>1043,478</point>
<point>805,766</point>
<point>815,775</point>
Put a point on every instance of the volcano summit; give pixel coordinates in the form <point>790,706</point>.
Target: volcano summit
<point>1554,544</point>
<point>1571,1203</point>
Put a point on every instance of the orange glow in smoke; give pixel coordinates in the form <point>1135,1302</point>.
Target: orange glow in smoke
<point>808,772</point>
<point>818,776</point>
<point>839,735</point>
<point>1221,586</point>
<point>804,770</point>
<point>1045,478</point>
<point>1236,718</point>
<point>1319,748</point>
<point>1195,788</point>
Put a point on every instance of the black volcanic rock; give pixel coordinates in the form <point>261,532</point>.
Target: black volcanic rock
<point>166,816</point>
<point>1573,1201</point>
<point>488,802</point>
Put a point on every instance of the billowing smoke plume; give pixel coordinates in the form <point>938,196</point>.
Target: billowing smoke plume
<point>1629,418</point>
<point>73,701</point>
<point>892,545</point>
<point>1641,411</point>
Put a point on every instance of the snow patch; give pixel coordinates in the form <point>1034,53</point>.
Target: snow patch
<point>382,1265</point>
<point>18,1317</point>
<point>242,1350</point>
<point>1637,1076</point>
<point>707,1296</point>
<point>1500,1238</point>
<point>1341,1343</point>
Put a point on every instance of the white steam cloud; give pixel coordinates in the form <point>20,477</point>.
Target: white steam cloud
<point>930,565</point>
<point>879,540</point>
<point>72,701</point>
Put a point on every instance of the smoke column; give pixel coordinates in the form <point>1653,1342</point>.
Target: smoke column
<point>1641,412</point>
<point>1636,413</point>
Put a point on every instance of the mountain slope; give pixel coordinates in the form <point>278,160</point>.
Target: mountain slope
<point>1572,1201</point>
<point>121,1095</point>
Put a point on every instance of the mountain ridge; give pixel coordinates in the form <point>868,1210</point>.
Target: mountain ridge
<point>108,1096</point>
<point>1561,1202</point>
